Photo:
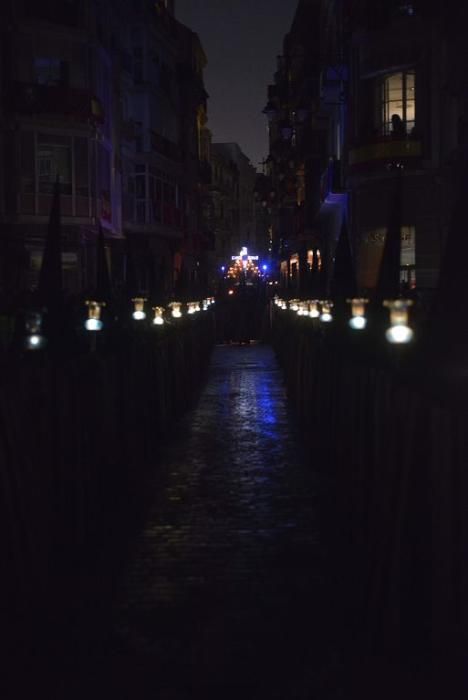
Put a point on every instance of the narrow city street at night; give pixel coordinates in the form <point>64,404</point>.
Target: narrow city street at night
<point>229,590</point>
<point>233,350</point>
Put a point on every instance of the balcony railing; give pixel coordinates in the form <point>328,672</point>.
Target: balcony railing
<point>56,100</point>
<point>384,149</point>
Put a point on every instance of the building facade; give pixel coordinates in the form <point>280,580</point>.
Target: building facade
<point>57,121</point>
<point>233,191</point>
<point>108,97</point>
<point>367,116</point>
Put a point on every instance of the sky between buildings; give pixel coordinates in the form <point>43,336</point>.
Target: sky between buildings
<point>241,39</point>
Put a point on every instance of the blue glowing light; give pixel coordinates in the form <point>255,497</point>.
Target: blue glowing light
<point>223,269</point>
<point>264,268</point>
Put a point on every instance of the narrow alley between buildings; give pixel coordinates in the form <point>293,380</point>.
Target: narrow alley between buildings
<point>229,591</point>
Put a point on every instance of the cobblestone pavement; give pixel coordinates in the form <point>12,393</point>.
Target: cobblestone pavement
<point>229,592</point>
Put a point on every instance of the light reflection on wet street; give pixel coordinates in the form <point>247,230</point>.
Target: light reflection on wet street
<point>227,593</point>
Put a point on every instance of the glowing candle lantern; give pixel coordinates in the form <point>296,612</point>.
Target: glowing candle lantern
<point>326,313</point>
<point>314,309</point>
<point>284,305</point>
<point>205,305</point>
<point>93,322</point>
<point>33,325</point>
<point>139,310</point>
<point>175,307</point>
<point>158,319</point>
<point>399,331</point>
<point>294,305</point>
<point>303,309</point>
<point>358,320</point>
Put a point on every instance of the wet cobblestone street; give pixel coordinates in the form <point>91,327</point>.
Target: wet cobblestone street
<point>228,591</point>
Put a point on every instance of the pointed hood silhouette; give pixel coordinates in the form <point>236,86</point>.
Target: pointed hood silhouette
<point>344,280</point>
<point>388,284</point>
<point>50,289</point>
<point>131,281</point>
<point>103,282</point>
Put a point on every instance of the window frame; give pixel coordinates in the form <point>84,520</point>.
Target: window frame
<point>384,101</point>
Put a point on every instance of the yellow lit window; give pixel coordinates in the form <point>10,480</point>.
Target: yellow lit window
<point>398,103</point>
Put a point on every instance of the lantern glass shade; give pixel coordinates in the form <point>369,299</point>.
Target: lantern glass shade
<point>93,322</point>
<point>358,319</point>
<point>399,332</point>
<point>294,305</point>
<point>139,309</point>
<point>175,307</point>
<point>158,319</point>
<point>326,311</point>
<point>33,322</point>
<point>313,309</point>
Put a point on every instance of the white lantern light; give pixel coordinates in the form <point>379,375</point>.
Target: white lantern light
<point>139,310</point>
<point>399,332</point>
<point>33,325</point>
<point>93,322</point>
<point>158,319</point>
<point>313,309</point>
<point>358,320</point>
<point>175,307</point>
<point>294,305</point>
<point>326,312</point>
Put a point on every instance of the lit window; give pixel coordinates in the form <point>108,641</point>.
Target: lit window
<point>398,108</point>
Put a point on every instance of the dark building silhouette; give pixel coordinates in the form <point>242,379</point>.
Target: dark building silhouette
<point>109,97</point>
<point>364,90</point>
